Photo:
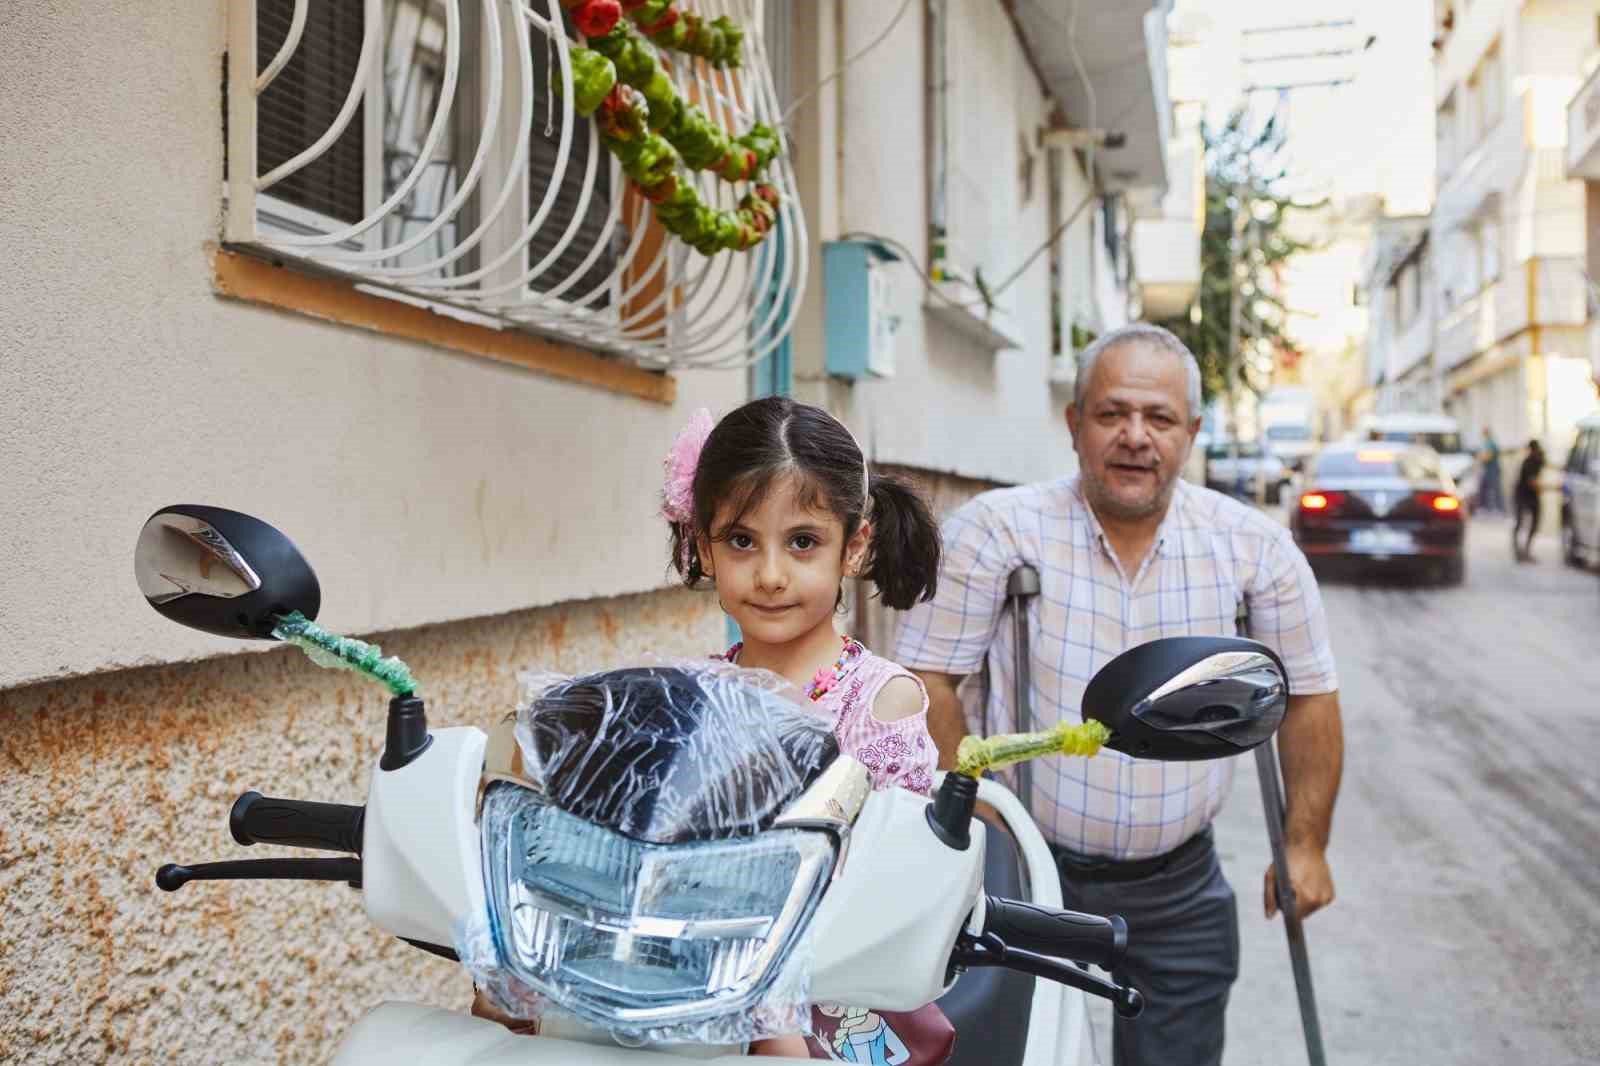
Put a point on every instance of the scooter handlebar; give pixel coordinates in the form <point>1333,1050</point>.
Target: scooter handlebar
<point>1059,933</point>
<point>258,819</point>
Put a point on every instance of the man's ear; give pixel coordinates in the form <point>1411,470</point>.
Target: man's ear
<point>1072,420</point>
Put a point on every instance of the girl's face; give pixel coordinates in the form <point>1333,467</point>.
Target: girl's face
<point>779,566</point>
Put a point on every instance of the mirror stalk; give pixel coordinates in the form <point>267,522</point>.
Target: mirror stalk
<point>407,735</point>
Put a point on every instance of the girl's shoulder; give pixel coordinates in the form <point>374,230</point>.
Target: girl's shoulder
<point>888,690</point>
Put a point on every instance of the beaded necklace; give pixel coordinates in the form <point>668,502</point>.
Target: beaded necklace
<point>826,678</point>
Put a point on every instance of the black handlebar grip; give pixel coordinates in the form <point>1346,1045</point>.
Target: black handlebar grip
<point>1062,934</point>
<point>258,819</point>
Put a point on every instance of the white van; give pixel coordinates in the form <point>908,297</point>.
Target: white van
<point>1439,432</point>
<point>1580,497</point>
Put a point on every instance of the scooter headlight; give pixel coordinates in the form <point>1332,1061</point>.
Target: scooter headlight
<point>636,936</point>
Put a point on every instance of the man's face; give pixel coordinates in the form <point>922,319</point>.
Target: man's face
<point>1134,430</point>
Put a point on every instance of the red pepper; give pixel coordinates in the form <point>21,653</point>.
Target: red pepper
<point>666,22</point>
<point>661,189</point>
<point>596,18</point>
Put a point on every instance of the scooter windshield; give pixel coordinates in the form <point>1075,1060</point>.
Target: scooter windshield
<point>671,754</point>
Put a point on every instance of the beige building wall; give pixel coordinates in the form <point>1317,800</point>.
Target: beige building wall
<point>424,485</point>
<point>864,166</point>
<point>109,776</point>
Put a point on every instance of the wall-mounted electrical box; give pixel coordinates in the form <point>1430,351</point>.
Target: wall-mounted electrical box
<point>858,296</point>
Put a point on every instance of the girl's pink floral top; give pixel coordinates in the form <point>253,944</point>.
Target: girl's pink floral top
<point>896,754</point>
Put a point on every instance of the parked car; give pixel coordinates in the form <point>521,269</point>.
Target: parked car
<point>1439,432</point>
<point>1580,497</point>
<point>1382,504</point>
<point>1234,468</point>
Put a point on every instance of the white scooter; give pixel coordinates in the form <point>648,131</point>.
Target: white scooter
<point>654,903</point>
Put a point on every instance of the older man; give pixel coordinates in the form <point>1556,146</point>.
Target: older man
<point>1127,553</point>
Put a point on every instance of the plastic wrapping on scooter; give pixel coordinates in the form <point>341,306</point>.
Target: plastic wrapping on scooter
<point>635,879</point>
<point>672,753</point>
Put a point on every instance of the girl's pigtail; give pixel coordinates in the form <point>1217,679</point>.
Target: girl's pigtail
<point>903,561</point>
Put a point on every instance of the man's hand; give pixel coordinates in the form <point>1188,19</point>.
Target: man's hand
<point>1309,879</point>
<point>1311,747</point>
<point>946,723</point>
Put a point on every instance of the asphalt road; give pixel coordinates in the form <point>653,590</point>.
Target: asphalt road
<point>1466,841</point>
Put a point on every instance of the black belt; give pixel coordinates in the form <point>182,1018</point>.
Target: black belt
<point>1075,866</point>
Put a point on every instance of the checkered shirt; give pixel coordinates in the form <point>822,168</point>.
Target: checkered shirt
<point>1211,555</point>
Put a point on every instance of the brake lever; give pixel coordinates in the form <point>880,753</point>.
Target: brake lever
<point>990,950</point>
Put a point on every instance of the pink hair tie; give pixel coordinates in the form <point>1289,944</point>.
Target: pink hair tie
<point>677,489</point>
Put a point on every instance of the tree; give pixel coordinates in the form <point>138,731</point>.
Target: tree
<point>1243,249</point>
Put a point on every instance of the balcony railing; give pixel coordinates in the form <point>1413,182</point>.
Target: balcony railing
<point>1583,129</point>
<point>1544,292</point>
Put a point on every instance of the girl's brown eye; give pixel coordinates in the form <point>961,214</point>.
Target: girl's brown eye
<point>804,543</point>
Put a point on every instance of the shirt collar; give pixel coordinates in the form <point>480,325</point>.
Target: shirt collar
<point>1166,533</point>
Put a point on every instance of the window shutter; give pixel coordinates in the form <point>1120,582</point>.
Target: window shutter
<point>302,103</point>
<point>542,152</point>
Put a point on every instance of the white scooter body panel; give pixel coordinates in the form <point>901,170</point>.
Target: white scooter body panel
<point>884,932</point>
<point>422,870</point>
<point>1058,1021</point>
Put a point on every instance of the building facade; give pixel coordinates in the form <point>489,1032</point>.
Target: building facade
<point>473,466</point>
<point>1505,232</point>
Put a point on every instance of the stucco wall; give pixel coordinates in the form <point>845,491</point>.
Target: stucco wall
<point>109,776</point>
<point>952,406</point>
<point>425,486</point>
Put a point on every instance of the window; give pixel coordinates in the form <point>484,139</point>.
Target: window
<point>1447,134</point>
<point>1469,117</point>
<point>354,176</point>
<point>1491,87</point>
<point>1489,248</point>
<point>426,154</point>
<point>1408,295</point>
<point>1445,443</point>
<point>302,102</point>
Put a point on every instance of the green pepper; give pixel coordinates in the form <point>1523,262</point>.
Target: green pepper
<point>593,78</point>
<point>662,97</point>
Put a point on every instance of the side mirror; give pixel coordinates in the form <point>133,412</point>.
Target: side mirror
<point>1186,698</point>
<point>222,571</point>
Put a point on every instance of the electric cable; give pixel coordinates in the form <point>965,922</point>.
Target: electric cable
<point>847,64</point>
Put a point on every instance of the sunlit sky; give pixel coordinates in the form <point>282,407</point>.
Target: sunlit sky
<point>1374,134</point>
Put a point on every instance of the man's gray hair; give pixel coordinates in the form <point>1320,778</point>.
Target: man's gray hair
<point>1149,334</point>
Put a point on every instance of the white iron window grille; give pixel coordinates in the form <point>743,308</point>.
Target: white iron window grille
<point>428,150</point>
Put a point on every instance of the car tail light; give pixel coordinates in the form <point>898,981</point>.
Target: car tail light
<point>1442,504</point>
<point>1321,502</point>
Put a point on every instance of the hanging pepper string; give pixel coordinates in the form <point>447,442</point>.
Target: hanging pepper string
<point>719,42</point>
<point>651,163</point>
<point>974,755</point>
<point>700,142</point>
<point>345,653</point>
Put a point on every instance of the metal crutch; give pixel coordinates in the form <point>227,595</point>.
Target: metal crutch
<point>1299,957</point>
<point>1022,586</point>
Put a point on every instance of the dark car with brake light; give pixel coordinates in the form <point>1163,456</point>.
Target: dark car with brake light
<point>1377,503</point>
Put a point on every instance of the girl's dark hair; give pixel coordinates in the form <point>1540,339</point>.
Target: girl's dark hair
<point>754,445</point>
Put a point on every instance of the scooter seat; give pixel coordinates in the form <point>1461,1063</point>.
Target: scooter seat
<point>990,1006</point>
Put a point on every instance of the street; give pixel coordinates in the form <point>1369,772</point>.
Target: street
<point>1467,924</point>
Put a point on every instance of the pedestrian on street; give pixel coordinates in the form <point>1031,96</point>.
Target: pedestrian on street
<point>1491,493</point>
<point>1127,553</point>
<point>1526,499</point>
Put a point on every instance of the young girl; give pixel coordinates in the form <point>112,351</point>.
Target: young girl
<point>776,506</point>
